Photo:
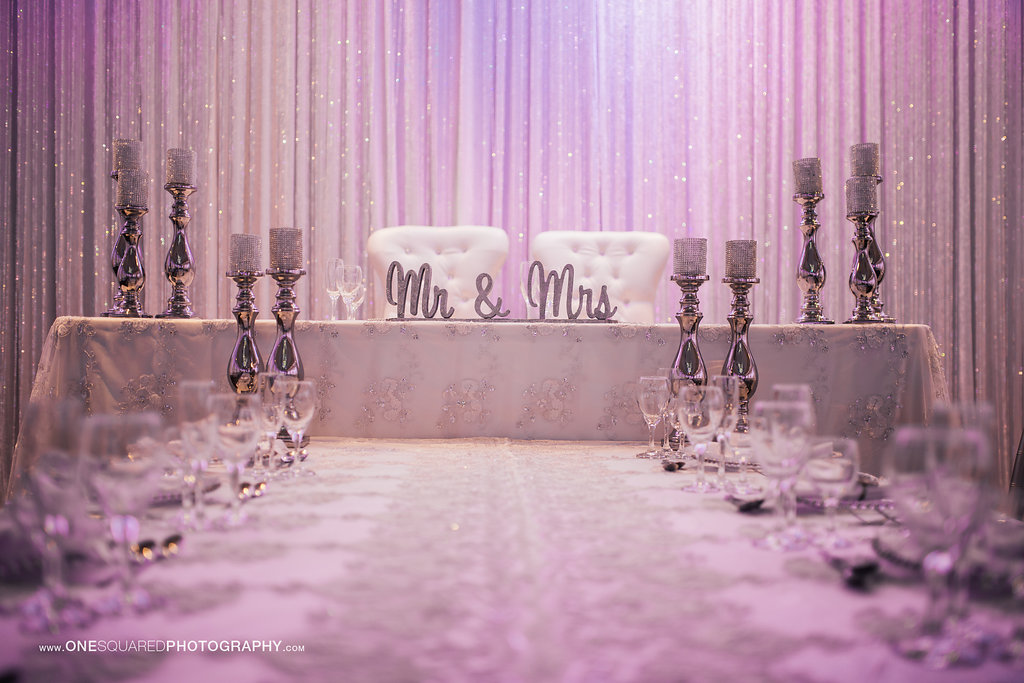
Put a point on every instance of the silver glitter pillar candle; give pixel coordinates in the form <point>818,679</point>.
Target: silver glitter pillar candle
<point>810,272</point>
<point>741,275</point>
<point>286,269</point>
<point>179,264</point>
<point>865,160</point>
<point>132,203</point>
<point>245,363</point>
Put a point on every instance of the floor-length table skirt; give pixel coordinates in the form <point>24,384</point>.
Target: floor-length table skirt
<point>528,380</point>
<point>495,560</point>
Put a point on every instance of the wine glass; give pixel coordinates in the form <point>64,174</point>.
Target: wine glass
<point>126,464</point>
<point>652,394</point>
<point>781,430</point>
<point>796,392</point>
<point>700,410</point>
<point>351,282</point>
<point>936,478</point>
<point>332,280</point>
<point>238,426</point>
<point>199,438</point>
<point>730,386</point>
<point>50,509</point>
<point>832,470</point>
<point>298,410</point>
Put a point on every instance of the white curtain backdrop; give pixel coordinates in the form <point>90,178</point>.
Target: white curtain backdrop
<point>342,117</point>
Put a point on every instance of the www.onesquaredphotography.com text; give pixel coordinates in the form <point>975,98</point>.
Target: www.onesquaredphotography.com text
<point>170,646</point>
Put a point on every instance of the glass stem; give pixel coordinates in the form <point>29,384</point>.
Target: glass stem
<point>236,500</point>
<point>650,431</point>
<point>700,449</point>
<point>667,432</point>
<point>53,567</point>
<point>787,501</point>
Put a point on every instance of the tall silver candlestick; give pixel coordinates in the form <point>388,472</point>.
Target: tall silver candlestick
<point>245,363</point>
<point>690,272</point>
<point>741,276</point>
<point>861,210</point>
<point>810,274</point>
<point>132,203</point>
<point>179,265</point>
<point>286,269</point>
<point>127,156</point>
<point>865,162</point>
<point>690,256</point>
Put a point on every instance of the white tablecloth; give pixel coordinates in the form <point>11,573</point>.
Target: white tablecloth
<point>497,560</point>
<point>429,379</point>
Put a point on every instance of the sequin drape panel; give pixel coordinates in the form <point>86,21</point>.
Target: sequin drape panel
<point>676,117</point>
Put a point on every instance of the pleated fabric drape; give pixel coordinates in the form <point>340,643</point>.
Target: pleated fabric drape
<point>674,117</point>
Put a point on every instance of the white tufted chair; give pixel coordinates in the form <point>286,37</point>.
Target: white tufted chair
<point>456,254</point>
<point>629,263</point>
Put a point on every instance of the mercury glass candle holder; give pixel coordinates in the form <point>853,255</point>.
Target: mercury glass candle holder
<point>741,276</point>
<point>245,363</point>
<point>286,269</point>
<point>127,155</point>
<point>179,265</point>
<point>810,274</point>
<point>861,210</point>
<point>132,204</point>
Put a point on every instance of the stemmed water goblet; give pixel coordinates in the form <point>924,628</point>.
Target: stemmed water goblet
<point>652,395</point>
<point>700,410</point>
<point>351,284</point>
<point>800,393</point>
<point>332,281</point>
<point>126,461</point>
<point>238,426</point>
<point>832,470</point>
<point>937,480</point>
<point>780,431</point>
<point>298,409</point>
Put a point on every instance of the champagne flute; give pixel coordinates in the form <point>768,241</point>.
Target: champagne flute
<point>700,410</point>
<point>730,386</point>
<point>199,439</point>
<point>126,466</point>
<point>357,300</point>
<point>332,280</point>
<point>299,408</point>
<point>652,396</point>
<point>270,388</point>
<point>351,281</point>
<point>781,430</point>
<point>237,421</point>
<point>832,470</point>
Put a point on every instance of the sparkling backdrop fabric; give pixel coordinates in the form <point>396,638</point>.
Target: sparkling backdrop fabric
<point>683,118</point>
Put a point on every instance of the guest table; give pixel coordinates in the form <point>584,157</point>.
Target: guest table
<point>522,380</point>
<point>490,559</point>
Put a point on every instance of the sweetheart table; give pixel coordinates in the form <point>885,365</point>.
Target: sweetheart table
<point>489,559</point>
<point>521,380</point>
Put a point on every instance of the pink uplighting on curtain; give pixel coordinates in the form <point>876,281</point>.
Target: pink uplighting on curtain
<point>681,118</point>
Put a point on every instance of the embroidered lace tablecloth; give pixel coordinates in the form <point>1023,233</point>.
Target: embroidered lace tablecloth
<point>553,380</point>
<point>496,560</point>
